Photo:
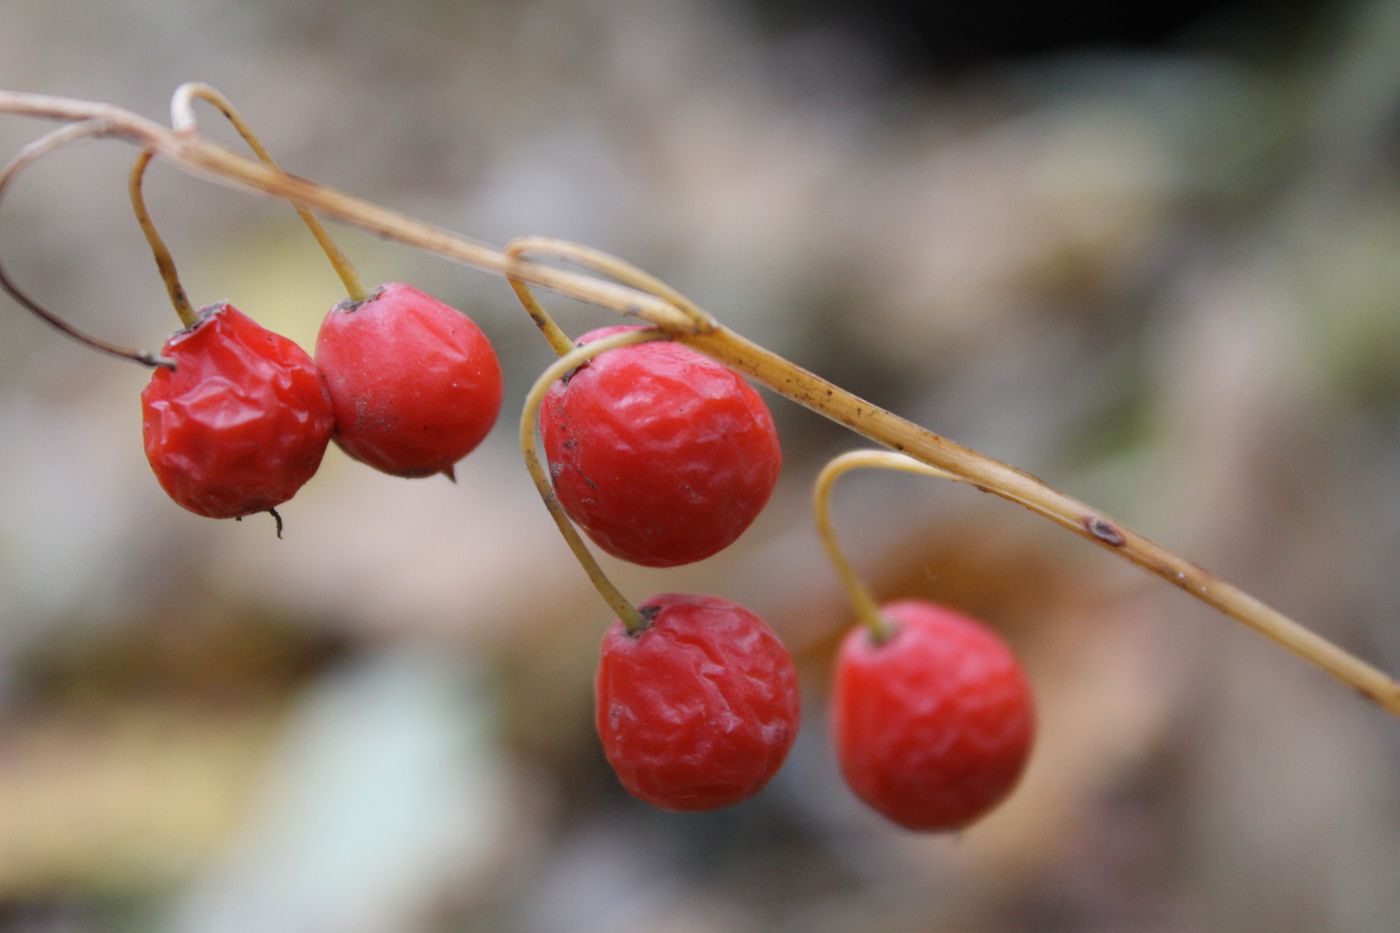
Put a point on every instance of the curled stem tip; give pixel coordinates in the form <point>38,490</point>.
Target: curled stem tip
<point>182,118</point>
<point>686,316</point>
<point>633,619</point>
<point>32,153</point>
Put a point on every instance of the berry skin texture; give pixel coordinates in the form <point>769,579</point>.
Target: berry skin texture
<point>660,454</point>
<point>933,726</point>
<point>699,710</point>
<point>414,382</point>
<point>241,423</point>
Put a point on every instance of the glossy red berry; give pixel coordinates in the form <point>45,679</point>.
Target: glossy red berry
<point>660,454</point>
<point>241,422</point>
<point>415,384</point>
<point>699,710</point>
<point>934,725</point>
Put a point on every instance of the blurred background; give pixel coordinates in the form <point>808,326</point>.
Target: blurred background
<point>1148,252</point>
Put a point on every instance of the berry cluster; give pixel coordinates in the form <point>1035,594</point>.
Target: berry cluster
<point>241,420</point>
<point>660,454</point>
<point>664,457</point>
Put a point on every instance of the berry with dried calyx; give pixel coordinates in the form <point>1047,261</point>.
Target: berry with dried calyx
<point>933,724</point>
<point>662,455</point>
<point>240,423</point>
<point>697,710</point>
<point>415,384</point>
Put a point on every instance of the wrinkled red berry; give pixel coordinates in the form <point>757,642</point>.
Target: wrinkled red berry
<point>699,710</point>
<point>415,384</point>
<point>241,423</point>
<point>933,726</point>
<point>662,455</point>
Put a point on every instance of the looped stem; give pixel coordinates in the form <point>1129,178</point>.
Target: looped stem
<point>688,318</point>
<point>182,118</point>
<point>32,153</point>
<point>632,618</point>
<point>1369,681</point>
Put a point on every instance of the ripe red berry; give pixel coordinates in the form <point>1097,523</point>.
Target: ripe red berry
<point>699,710</point>
<point>662,455</point>
<point>414,382</point>
<point>934,725</point>
<point>241,423</point>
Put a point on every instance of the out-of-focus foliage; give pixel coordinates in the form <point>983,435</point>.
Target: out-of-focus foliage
<point>1162,277</point>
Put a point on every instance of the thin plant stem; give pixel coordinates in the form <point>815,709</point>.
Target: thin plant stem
<point>183,119</point>
<point>203,158</point>
<point>633,619</point>
<point>164,261</point>
<point>29,154</point>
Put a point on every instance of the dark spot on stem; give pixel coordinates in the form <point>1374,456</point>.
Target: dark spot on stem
<point>1105,531</point>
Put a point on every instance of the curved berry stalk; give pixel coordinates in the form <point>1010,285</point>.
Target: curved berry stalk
<point>931,714</point>
<point>697,700</point>
<point>415,384</point>
<point>201,157</point>
<point>182,118</point>
<point>32,153</point>
<point>632,619</point>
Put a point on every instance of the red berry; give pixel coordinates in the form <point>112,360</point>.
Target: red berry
<point>662,455</point>
<point>699,710</point>
<point>414,382</point>
<point>934,725</point>
<point>241,423</point>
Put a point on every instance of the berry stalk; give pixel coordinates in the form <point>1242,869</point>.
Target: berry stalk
<point>867,609</point>
<point>165,263</point>
<point>182,118</point>
<point>632,618</point>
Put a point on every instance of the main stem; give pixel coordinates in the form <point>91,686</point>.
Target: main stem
<point>201,157</point>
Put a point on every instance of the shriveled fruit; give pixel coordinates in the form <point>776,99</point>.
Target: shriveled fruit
<point>933,726</point>
<point>241,423</point>
<point>660,454</point>
<point>699,710</point>
<point>414,382</point>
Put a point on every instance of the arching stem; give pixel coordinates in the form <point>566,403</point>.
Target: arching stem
<point>183,119</point>
<point>32,153</point>
<point>164,261</point>
<point>632,618</point>
<point>201,157</point>
<point>1349,669</point>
